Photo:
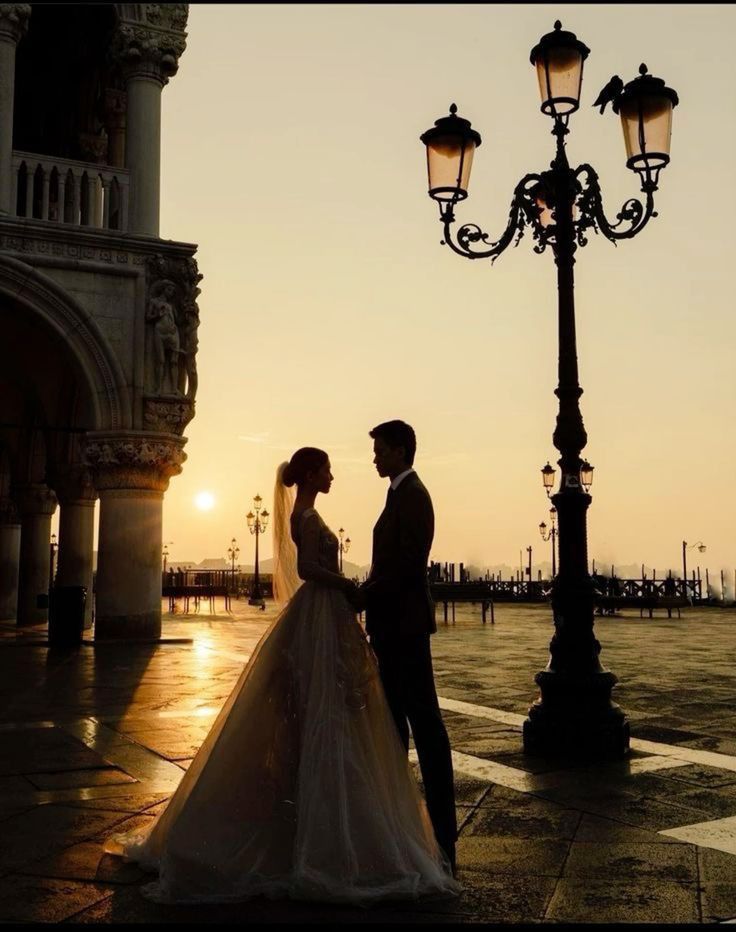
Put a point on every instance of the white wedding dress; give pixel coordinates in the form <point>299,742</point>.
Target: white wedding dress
<point>302,788</point>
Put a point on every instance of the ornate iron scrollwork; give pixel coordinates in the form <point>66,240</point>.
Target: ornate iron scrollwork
<point>526,208</point>
<point>524,212</point>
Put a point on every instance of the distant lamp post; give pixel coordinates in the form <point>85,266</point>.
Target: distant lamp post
<point>550,534</point>
<point>548,478</point>
<point>344,545</point>
<point>561,207</point>
<point>53,550</point>
<point>685,547</point>
<point>233,551</point>
<point>165,553</point>
<point>257,524</point>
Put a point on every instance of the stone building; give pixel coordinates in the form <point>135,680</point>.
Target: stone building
<point>98,314</point>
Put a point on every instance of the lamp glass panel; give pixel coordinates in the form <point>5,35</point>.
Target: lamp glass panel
<point>444,156</point>
<point>563,68</point>
<point>656,126</point>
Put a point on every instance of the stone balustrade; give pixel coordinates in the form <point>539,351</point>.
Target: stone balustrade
<point>66,191</point>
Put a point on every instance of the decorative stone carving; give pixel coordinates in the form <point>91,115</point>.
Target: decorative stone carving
<point>173,317</point>
<point>134,461</point>
<point>41,246</point>
<point>167,416</point>
<point>151,43</point>
<point>36,499</point>
<point>14,20</point>
<point>94,147</point>
<point>72,482</point>
<point>168,15</point>
<point>8,511</point>
<point>164,337</point>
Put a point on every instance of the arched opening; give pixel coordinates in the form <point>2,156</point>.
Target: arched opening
<point>60,382</point>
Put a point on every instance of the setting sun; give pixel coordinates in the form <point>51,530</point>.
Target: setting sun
<point>204,501</point>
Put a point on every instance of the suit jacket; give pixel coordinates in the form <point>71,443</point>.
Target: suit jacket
<point>397,595</point>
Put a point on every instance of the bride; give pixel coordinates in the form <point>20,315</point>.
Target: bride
<point>302,788</point>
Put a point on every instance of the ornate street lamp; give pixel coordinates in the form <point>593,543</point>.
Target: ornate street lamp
<point>550,535</point>
<point>685,547</point>
<point>586,475</point>
<point>560,207</point>
<point>548,478</point>
<point>344,545</point>
<point>233,551</point>
<point>257,524</point>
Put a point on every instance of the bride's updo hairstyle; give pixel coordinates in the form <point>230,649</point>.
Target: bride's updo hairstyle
<point>305,460</point>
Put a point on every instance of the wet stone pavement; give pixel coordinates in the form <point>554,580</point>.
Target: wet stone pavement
<point>96,739</point>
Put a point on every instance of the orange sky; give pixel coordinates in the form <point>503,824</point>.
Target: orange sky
<point>291,154</point>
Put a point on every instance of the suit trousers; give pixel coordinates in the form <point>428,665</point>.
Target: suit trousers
<point>405,664</point>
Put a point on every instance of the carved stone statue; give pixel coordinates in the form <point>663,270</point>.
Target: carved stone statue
<point>189,345</point>
<point>161,315</point>
<point>173,317</point>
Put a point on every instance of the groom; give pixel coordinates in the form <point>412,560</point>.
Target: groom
<point>400,619</point>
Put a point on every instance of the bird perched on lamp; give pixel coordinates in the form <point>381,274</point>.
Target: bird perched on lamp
<point>609,93</point>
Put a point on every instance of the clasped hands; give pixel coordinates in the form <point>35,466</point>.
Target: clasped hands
<point>355,594</point>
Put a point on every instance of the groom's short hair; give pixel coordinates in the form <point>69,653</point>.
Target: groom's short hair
<point>397,434</point>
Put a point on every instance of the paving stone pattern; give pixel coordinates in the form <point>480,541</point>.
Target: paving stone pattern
<point>96,739</point>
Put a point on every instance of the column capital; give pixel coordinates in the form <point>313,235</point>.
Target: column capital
<point>35,499</point>
<point>134,460</point>
<point>8,511</point>
<point>73,482</point>
<point>14,21</point>
<point>116,107</point>
<point>150,45</point>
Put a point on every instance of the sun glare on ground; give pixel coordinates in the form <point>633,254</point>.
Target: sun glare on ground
<point>204,501</point>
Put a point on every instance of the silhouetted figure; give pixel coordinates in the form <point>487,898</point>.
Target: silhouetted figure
<point>400,619</point>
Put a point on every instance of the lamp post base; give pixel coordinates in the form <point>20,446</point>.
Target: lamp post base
<point>575,717</point>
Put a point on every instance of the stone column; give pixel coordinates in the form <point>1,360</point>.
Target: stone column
<point>116,107</point>
<point>9,559</point>
<point>147,53</point>
<point>76,495</point>
<point>13,25</point>
<point>36,503</point>
<point>131,473</point>
<point>143,149</point>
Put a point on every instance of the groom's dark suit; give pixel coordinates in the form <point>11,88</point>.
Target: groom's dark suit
<point>399,621</point>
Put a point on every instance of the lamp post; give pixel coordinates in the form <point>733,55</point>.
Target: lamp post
<point>165,553</point>
<point>550,535</point>
<point>344,545</point>
<point>232,552</point>
<point>257,524</point>
<point>574,713</point>
<point>53,550</point>
<point>685,547</point>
